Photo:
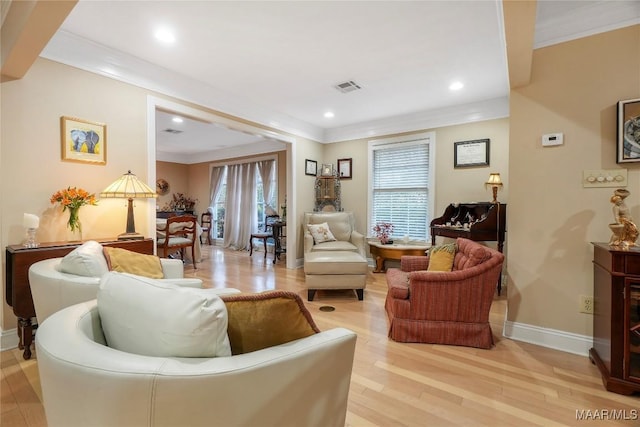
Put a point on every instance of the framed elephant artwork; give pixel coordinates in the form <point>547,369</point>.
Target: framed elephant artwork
<point>83,141</point>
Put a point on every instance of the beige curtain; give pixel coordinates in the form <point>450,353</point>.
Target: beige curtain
<point>241,205</point>
<point>266,169</point>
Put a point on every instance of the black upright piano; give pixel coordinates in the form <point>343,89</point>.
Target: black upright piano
<point>484,221</point>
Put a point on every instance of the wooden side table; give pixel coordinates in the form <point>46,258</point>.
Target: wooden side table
<point>381,252</point>
<point>279,235</point>
<point>18,291</point>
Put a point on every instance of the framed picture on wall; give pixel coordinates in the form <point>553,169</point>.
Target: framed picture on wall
<point>326,170</point>
<point>83,141</point>
<point>628,147</point>
<point>471,153</point>
<point>344,168</point>
<point>310,167</point>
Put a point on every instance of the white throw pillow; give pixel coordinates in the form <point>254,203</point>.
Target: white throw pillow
<point>85,260</point>
<point>153,318</point>
<point>321,233</point>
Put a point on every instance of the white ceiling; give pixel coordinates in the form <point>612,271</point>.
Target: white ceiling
<point>276,63</point>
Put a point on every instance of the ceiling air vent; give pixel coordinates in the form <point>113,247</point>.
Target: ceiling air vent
<point>174,131</point>
<point>346,87</point>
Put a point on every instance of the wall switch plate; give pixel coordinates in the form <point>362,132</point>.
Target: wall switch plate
<point>552,139</point>
<point>604,178</point>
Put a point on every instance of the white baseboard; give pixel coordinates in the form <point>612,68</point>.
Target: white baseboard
<point>551,338</point>
<point>9,339</point>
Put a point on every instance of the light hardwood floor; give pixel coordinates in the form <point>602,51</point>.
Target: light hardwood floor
<point>396,384</point>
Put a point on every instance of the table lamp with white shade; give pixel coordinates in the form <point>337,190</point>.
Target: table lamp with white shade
<point>494,183</point>
<point>128,186</point>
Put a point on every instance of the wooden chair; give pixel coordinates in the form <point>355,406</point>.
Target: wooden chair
<point>178,234</point>
<point>264,235</point>
<point>205,223</point>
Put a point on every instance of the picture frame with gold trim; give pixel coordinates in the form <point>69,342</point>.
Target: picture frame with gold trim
<point>83,141</point>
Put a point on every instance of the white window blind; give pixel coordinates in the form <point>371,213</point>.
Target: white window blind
<point>401,188</point>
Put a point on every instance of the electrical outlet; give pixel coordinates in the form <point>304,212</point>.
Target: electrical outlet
<point>586,304</point>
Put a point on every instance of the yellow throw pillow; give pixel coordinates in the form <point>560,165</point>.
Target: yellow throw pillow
<point>266,319</point>
<point>124,261</point>
<point>441,257</point>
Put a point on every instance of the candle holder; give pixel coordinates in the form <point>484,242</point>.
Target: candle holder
<point>31,238</point>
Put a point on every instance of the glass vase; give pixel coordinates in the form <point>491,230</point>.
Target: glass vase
<point>74,226</point>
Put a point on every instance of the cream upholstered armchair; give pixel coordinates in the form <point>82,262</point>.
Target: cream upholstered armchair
<point>334,253</point>
<point>252,386</point>
<point>342,226</point>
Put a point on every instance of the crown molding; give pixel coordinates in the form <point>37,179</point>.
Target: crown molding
<point>598,17</point>
<point>257,148</point>
<point>70,49</point>
<point>467,113</point>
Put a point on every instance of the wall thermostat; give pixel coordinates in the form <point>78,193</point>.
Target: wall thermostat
<point>552,139</point>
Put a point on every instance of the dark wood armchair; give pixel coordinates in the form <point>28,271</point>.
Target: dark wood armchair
<point>205,223</point>
<point>179,233</point>
<point>264,235</point>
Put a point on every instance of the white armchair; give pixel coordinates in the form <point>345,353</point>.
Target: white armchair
<point>342,226</point>
<point>53,290</point>
<point>338,261</point>
<point>301,383</point>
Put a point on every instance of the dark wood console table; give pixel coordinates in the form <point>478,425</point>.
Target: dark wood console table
<point>616,318</point>
<point>486,222</point>
<point>170,214</point>
<point>279,235</point>
<point>18,291</point>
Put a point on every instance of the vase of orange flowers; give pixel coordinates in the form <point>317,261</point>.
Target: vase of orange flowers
<point>72,199</point>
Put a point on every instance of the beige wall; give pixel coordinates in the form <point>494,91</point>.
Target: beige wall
<point>552,219</point>
<point>177,175</point>
<point>31,169</point>
<point>452,185</point>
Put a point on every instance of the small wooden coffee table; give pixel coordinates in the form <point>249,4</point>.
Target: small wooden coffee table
<point>381,252</point>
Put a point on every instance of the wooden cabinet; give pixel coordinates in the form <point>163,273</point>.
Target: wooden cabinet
<point>616,320</point>
<point>17,290</point>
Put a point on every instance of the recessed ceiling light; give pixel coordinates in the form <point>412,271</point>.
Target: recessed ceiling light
<point>329,115</point>
<point>165,35</point>
<point>177,120</point>
<point>456,86</point>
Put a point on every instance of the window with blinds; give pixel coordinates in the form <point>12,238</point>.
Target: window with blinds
<point>400,187</point>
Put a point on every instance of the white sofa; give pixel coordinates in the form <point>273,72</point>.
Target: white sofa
<point>336,264</point>
<point>85,383</point>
